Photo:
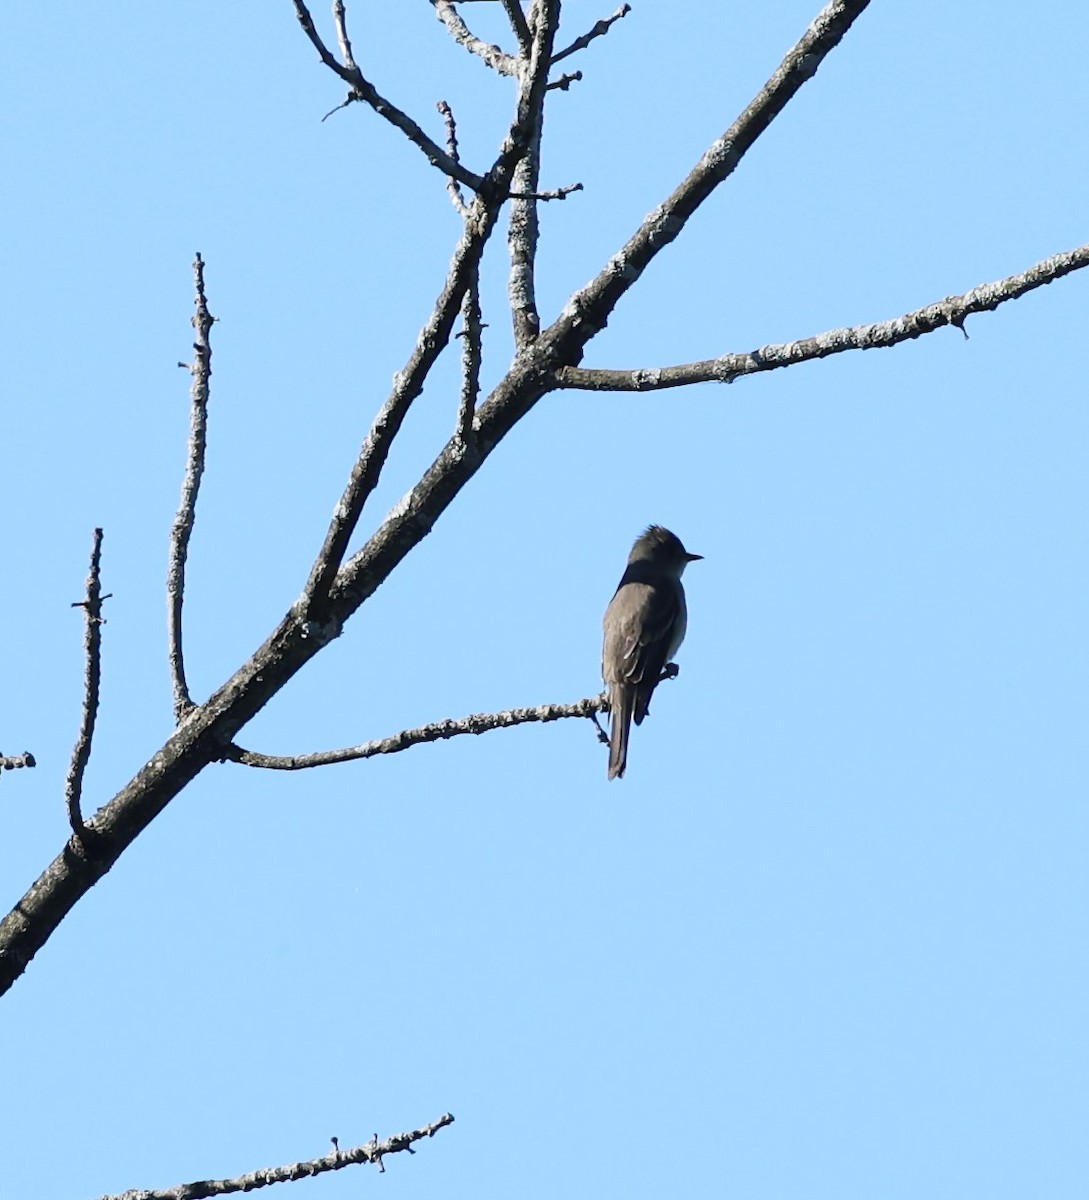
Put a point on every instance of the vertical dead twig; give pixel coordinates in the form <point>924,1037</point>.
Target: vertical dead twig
<point>92,644</point>
<point>201,369</point>
<point>472,352</point>
<point>452,185</point>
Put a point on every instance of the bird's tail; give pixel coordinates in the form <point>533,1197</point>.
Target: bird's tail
<point>620,706</point>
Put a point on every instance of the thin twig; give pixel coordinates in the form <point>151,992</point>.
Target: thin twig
<point>564,82</point>
<point>92,646</point>
<point>460,32</point>
<point>555,194</point>
<point>602,27</point>
<point>439,731</point>
<point>365,91</point>
<point>16,761</point>
<point>452,185</point>
<point>953,310</point>
<point>184,519</point>
<point>472,334</point>
<point>372,1152</point>
<point>341,21</point>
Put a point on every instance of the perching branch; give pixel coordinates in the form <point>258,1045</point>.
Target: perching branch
<point>92,645</point>
<point>201,369</point>
<point>460,32</point>
<point>373,1152</point>
<point>363,90</point>
<point>602,27</point>
<point>953,310</point>
<point>438,731</point>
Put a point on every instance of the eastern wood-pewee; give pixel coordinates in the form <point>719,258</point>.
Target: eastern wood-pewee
<point>644,626</point>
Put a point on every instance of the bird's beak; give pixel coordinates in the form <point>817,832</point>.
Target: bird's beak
<point>692,557</point>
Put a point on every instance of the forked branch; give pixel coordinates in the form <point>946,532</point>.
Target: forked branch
<point>363,89</point>
<point>953,310</point>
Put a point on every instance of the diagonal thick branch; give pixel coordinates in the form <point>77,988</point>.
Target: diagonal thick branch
<point>185,518</point>
<point>372,1152</point>
<point>437,731</point>
<point>953,310</point>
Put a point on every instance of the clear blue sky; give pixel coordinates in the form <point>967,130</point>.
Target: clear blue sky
<point>827,940</point>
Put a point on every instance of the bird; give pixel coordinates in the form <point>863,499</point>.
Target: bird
<point>644,624</point>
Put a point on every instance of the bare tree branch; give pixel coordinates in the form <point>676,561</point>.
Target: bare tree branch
<point>92,645</point>
<point>953,310</point>
<point>602,27</point>
<point>363,90</point>
<point>460,32</point>
<point>438,731</point>
<point>472,333</point>
<point>589,309</point>
<point>201,369</point>
<point>15,762</point>
<point>373,1152</point>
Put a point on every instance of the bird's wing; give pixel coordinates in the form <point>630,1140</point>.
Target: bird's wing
<point>639,625</point>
